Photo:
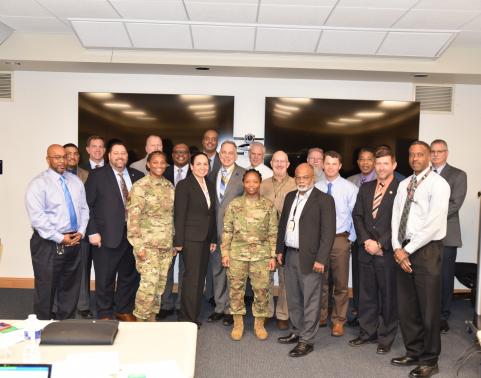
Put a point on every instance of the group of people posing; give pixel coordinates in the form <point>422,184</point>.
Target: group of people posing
<point>230,223</point>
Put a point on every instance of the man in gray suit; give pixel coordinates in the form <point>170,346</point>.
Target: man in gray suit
<point>457,181</point>
<point>152,143</point>
<point>228,185</point>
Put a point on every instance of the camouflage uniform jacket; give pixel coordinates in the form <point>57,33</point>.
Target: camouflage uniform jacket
<point>250,229</point>
<point>150,209</point>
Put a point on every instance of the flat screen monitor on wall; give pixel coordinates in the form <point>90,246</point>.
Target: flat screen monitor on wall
<point>297,124</point>
<point>132,117</point>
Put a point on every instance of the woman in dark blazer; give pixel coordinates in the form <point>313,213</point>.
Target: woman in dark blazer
<point>195,233</point>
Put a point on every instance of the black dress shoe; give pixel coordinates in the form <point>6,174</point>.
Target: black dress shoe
<point>164,313</point>
<point>383,349</point>
<point>424,371</point>
<point>228,320</point>
<point>301,349</point>
<point>404,361</point>
<point>289,339</point>
<point>353,322</point>
<point>215,317</point>
<point>212,302</point>
<point>444,326</point>
<point>85,314</point>
<point>358,342</point>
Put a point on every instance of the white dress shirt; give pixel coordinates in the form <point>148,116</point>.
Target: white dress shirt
<point>428,215</point>
<point>128,181</point>
<point>93,164</point>
<point>183,173</point>
<point>219,178</point>
<point>292,235</point>
<point>264,170</point>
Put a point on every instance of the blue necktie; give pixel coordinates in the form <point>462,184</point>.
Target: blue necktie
<point>70,206</point>
<point>329,187</point>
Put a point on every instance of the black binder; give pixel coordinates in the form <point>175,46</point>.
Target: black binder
<point>80,332</point>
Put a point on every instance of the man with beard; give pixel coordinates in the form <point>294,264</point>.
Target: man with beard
<point>116,279</point>
<point>306,233</point>
<point>315,158</point>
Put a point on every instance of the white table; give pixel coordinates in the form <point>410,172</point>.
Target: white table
<point>136,343</point>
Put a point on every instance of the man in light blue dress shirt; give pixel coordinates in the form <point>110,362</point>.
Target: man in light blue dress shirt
<point>344,194</point>
<point>58,212</point>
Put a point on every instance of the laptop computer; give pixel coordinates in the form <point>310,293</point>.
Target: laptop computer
<point>25,370</point>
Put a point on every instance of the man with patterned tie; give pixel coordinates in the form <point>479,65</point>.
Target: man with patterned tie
<point>228,186</point>
<point>116,279</point>
<point>372,219</point>
<point>344,194</point>
<point>58,212</point>
<point>365,162</point>
<point>419,222</point>
<point>175,173</point>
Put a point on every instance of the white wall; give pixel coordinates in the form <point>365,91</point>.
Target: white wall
<point>44,111</point>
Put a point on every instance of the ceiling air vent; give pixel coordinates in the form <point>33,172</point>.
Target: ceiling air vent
<point>435,98</point>
<point>5,85</point>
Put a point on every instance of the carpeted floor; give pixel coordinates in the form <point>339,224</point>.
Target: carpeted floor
<point>218,356</point>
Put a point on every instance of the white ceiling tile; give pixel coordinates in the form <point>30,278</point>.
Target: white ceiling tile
<point>323,3</point>
<point>102,34</point>
<point>287,40</point>
<point>450,4</point>
<point>293,14</point>
<point>470,39</point>
<point>5,32</point>
<point>224,1</point>
<point>25,8</point>
<point>473,25</point>
<point>165,10</point>
<point>350,42</point>
<point>36,24</point>
<point>80,8</point>
<point>364,17</point>
<point>235,38</point>
<point>400,4</point>
<point>434,19</point>
<point>159,36</point>
<point>222,12</point>
<point>413,44</point>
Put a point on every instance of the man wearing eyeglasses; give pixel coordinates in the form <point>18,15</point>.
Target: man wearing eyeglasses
<point>58,212</point>
<point>457,181</point>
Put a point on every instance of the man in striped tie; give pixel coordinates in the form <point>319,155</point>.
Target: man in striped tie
<point>372,220</point>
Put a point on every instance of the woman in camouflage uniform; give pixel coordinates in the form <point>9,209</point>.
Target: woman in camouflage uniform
<point>150,231</point>
<point>248,250</point>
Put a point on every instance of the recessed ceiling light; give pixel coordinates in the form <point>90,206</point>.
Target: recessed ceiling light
<point>117,105</point>
<point>100,95</point>
<point>201,107</point>
<point>296,100</point>
<point>369,114</point>
<point>332,123</point>
<point>420,75</point>
<point>134,112</point>
<point>287,107</point>
<point>283,112</point>
<point>203,118</point>
<point>394,104</point>
<point>147,118</point>
<point>203,113</point>
<point>195,97</point>
<point>350,120</point>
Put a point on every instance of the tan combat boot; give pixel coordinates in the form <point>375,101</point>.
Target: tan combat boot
<point>259,329</point>
<point>152,317</point>
<point>238,329</point>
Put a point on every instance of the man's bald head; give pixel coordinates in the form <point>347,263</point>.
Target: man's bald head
<point>304,176</point>
<point>280,163</point>
<point>56,158</point>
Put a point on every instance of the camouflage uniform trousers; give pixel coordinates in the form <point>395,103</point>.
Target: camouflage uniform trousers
<point>260,276</point>
<point>153,277</point>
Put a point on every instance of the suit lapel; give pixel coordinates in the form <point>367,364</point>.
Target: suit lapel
<point>195,184</point>
<point>233,181</point>
<point>388,197</point>
<point>308,203</point>
<point>445,171</point>
<point>115,183</point>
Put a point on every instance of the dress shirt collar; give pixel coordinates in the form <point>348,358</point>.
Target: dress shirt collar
<point>369,177</point>
<point>337,179</point>
<point>125,172</point>
<point>229,170</point>
<point>306,193</point>
<point>93,164</point>
<point>423,172</point>
<point>440,168</point>
<point>284,179</point>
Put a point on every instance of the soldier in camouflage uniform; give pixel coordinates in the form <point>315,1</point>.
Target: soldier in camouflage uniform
<point>248,250</point>
<point>150,231</point>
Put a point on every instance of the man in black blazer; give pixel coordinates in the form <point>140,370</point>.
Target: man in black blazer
<point>175,173</point>
<point>96,151</point>
<point>307,229</point>
<point>377,285</point>
<point>107,191</point>
<point>458,183</point>
<point>209,145</point>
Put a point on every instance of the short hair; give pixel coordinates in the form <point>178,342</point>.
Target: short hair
<point>383,151</point>
<point>365,149</point>
<point>254,171</point>
<point>70,145</point>
<point>439,141</point>
<point>95,137</point>
<point>334,155</point>
<point>258,144</point>
<point>214,130</point>
<point>314,149</point>
<point>116,142</point>
<point>420,143</point>
<point>194,156</point>
<point>229,142</point>
<point>156,153</point>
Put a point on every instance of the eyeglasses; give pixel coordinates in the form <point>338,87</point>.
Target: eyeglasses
<point>436,152</point>
<point>303,178</point>
<point>56,157</point>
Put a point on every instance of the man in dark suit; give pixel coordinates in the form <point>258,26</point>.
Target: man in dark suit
<point>307,229</point>
<point>107,191</point>
<point>96,151</point>
<point>377,285</point>
<point>228,186</point>
<point>209,146</point>
<point>175,173</point>
<point>457,181</point>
